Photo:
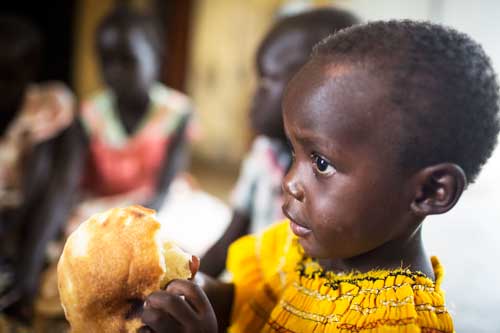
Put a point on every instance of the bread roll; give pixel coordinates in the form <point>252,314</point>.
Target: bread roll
<point>110,264</point>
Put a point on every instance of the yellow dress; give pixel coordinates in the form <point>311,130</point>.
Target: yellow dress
<point>279,289</point>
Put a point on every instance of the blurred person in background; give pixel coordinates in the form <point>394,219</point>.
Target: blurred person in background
<point>257,196</point>
<point>136,128</point>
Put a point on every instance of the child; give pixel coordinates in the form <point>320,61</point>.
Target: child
<point>257,197</point>
<point>39,158</point>
<point>388,123</point>
<point>135,128</point>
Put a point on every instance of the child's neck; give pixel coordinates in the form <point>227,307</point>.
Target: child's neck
<point>406,252</point>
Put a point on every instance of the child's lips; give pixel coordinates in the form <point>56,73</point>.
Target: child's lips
<point>297,228</point>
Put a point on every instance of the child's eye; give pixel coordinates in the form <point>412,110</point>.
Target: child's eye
<point>322,166</point>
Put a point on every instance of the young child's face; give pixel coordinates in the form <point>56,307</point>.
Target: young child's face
<point>277,61</point>
<point>128,61</point>
<point>344,193</point>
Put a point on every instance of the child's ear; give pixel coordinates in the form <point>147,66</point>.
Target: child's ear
<point>438,189</point>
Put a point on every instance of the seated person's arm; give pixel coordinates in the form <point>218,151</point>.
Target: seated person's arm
<point>49,209</point>
<point>214,261</point>
<point>175,161</point>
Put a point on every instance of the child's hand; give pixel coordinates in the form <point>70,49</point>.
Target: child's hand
<point>182,307</point>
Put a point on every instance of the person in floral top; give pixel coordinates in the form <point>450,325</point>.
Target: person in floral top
<point>136,128</point>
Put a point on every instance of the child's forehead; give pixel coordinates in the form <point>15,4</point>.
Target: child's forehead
<point>332,81</point>
<point>340,97</point>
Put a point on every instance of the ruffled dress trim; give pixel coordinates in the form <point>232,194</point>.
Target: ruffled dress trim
<point>301,297</point>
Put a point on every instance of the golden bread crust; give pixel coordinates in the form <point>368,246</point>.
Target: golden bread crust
<point>109,263</point>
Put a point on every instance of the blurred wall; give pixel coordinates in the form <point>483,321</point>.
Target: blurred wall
<point>86,72</point>
<point>221,78</point>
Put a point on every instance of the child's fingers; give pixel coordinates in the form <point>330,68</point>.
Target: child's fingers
<point>181,307</point>
<point>158,321</point>
<point>194,295</point>
<point>173,305</point>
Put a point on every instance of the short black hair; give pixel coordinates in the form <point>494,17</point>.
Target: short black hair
<point>319,22</point>
<point>441,81</point>
<point>125,16</point>
<point>314,25</point>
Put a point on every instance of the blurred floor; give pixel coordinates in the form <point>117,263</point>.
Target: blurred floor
<point>215,178</point>
<point>197,219</point>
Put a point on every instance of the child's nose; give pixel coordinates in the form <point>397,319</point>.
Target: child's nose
<point>292,186</point>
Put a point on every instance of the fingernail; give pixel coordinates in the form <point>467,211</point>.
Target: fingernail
<point>194,265</point>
